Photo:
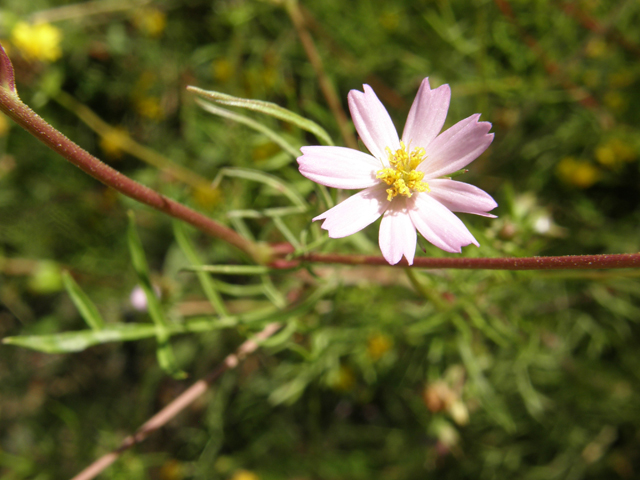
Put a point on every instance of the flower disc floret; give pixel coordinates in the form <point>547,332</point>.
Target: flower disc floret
<point>402,175</point>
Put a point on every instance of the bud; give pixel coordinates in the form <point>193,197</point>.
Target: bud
<point>7,76</point>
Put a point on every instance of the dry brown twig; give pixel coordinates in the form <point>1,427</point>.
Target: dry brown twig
<point>179,404</point>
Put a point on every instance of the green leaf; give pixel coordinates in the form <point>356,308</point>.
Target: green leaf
<point>276,138</point>
<point>266,213</point>
<point>267,108</point>
<point>238,290</point>
<point>282,336</point>
<point>264,178</point>
<point>119,332</point>
<point>205,281</point>
<point>166,359</point>
<point>83,303</point>
<point>231,269</point>
<point>77,341</point>
<point>124,332</point>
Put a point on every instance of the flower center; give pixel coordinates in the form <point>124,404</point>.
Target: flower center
<point>402,175</point>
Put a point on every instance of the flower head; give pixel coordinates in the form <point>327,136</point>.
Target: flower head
<point>402,178</point>
<point>37,42</point>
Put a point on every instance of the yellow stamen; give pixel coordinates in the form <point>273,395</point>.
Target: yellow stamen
<point>402,175</point>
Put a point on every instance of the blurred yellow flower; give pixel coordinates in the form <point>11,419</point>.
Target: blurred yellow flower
<point>206,197</point>
<point>244,475</point>
<point>150,21</point>
<point>149,107</point>
<point>615,153</point>
<point>37,42</point>
<point>577,173</point>
<point>596,47</point>
<point>113,141</point>
<point>378,345</point>
<point>172,470</point>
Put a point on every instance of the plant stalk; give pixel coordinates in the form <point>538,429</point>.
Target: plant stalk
<point>24,116</point>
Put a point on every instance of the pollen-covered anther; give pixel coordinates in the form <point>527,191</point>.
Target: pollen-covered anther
<point>402,174</point>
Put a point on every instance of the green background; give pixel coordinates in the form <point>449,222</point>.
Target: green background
<point>474,374</point>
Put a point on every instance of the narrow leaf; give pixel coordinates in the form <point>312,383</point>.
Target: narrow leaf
<point>286,146</point>
<point>231,269</point>
<point>83,303</point>
<point>267,108</point>
<point>164,352</point>
<point>123,332</point>
<point>205,281</point>
<point>119,332</point>
<point>264,178</point>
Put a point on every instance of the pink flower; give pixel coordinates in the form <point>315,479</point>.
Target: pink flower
<point>402,179</point>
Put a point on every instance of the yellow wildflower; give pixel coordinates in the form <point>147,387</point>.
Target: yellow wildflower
<point>378,345</point>
<point>244,475</point>
<point>149,107</point>
<point>615,153</point>
<point>577,173</point>
<point>206,197</point>
<point>113,141</point>
<point>596,47</point>
<point>150,21</point>
<point>37,42</point>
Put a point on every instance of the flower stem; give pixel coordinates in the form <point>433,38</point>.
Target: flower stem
<point>128,144</point>
<point>19,112</point>
<point>571,262</point>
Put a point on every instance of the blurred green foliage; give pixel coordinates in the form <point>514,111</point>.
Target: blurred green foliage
<point>447,374</point>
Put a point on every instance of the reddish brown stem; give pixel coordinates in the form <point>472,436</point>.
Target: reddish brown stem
<point>19,112</point>
<point>571,262</point>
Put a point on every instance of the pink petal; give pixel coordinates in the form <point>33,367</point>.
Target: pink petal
<point>397,234</point>
<point>339,167</point>
<point>355,213</point>
<point>438,224</point>
<point>427,115</point>
<point>456,147</point>
<point>462,197</point>
<point>373,122</point>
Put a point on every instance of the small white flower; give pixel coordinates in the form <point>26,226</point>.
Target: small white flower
<point>401,177</point>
